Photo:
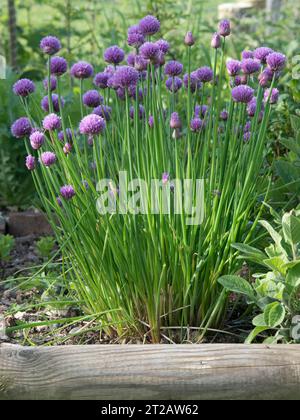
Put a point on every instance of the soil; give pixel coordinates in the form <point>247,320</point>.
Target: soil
<point>23,255</point>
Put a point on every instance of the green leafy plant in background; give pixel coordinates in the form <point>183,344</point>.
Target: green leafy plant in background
<point>287,166</point>
<point>16,187</point>
<point>7,243</point>
<point>276,292</point>
<point>45,246</point>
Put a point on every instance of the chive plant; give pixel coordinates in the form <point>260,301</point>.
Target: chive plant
<point>144,267</point>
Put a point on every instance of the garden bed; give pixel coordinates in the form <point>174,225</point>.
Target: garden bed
<point>216,372</point>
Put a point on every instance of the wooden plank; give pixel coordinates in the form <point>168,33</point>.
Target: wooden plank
<point>162,372</point>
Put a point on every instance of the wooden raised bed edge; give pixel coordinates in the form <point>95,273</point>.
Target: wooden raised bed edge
<point>150,372</point>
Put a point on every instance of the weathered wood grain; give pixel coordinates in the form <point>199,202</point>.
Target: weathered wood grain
<point>162,372</point>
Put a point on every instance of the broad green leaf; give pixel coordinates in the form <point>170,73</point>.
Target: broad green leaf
<point>294,302</point>
<point>293,275</point>
<point>276,264</point>
<point>274,314</point>
<point>295,122</point>
<point>277,238</point>
<point>237,284</point>
<point>272,340</point>
<point>250,252</point>
<point>291,228</point>
<point>259,321</point>
<point>275,235</point>
<point>291,145</point>
<point>287,171</point>
<point>255,333</point>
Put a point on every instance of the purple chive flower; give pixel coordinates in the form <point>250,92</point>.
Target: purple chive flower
<point>92,124</point>
<point>216,40</point>
<point>82,70</point>
<point>67,149</point>
<point>53,83</point>
<point>194,81</point>
<point>247,126</point>
<point>205,74</point>
<point>131,59</point>
<point>37,139</point>
<point>52,122</point>
<point>149,25</point>
<point>59,202</point>
<point>224,28</point>
<point>103,111</point>
<point>101,79</point>
<point>135,39</point>
<point>173,68</point>
<point>200,110</point>
<point>24,87</point>
<point>163,45</point>
<point>125,76</point>
<point>160,59</point>
<point>175,121</point>
<point>48,158</point>
<point>133,29</point>
<point>141,112</point>
<point>149,51</point>
<point>173,84</point>
<point>242,93</point>
<point>262,53</point>
<point>189,39</point>
<point>50,45</point>
<point>69,135</point>
<point>247,54</point>
<point>92,99</point>
<point>196,124</point>
<point>67,192</point>
<point>114,55</point>
<point>30,162</point>
<point>265,77</point>
<point>55,103</point>
<point>140,64</point>
<point>121,93</point>
<point>237,81</point>
<point>250,66</point>
<point>224,115</point>
<point>233,67</point>
<point>274,96</point>
<point>251,107</point>
<point>21,128</point>
<point>58,66</point>
<point>133,92</point>
<point>151,121</point>
<point>276,61</point>
<point>247,136</point>
<point>165,178</point>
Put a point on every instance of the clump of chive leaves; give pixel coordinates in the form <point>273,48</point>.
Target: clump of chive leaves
<point>156,119</point>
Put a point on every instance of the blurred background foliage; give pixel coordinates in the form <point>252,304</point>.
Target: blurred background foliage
<point>86,28</point>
